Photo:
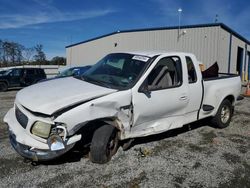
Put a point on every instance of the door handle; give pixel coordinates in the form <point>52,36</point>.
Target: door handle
<point>183,98</point>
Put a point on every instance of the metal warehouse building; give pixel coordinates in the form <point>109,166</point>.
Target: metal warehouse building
<point>209,42</point>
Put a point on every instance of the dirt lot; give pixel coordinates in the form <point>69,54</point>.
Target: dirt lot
<point>199,156</point>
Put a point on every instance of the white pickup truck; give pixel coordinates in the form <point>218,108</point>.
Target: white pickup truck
<point>123,96</point>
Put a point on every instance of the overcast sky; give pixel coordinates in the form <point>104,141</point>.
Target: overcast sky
<point>57,23</point>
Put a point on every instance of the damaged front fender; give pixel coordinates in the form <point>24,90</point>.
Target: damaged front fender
<point>115,109</point>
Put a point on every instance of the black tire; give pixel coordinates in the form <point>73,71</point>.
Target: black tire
<point>223,115</point>
<point>104,144</point>
<point>3,86</point>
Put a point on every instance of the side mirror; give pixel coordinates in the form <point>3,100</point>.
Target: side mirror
<point>144,88</point>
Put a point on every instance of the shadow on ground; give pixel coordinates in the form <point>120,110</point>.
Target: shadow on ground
<point>79,151</point>
<point>172,133</point>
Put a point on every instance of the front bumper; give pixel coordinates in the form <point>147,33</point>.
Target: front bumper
<point>30,148</point>
<point>35,154</point>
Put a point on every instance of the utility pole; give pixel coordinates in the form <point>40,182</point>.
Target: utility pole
<point>179,28</point>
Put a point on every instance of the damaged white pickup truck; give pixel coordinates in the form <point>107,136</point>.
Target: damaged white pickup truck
<point>123,96</point>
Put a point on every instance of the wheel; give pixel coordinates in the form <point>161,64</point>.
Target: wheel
<point>223,115</point>
<point>3,86</point>
<point>104,144</point>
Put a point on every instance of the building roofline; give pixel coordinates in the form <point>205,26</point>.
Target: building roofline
<point>168,28</point>
<point>234,33</point>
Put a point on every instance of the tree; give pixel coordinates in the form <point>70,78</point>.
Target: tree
<point>40,55</point>
<point>28,53</point>
<point>58,60</point>
<point>11,52</point>
<point>18,51</point>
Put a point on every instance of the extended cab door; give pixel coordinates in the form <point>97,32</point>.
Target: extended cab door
<point>160,101</point>
<point>194,88</point>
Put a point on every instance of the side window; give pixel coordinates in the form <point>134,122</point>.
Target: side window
<point>192,77</point>
<point>16,72</point>
<point>166,74</point>
<point>76,72</point>
<point>30,71</point>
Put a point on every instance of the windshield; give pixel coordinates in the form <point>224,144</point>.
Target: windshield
<point>117,70</point>
<point>2,72</point>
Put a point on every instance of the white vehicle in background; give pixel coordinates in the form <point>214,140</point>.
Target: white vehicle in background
<point>123,96</point>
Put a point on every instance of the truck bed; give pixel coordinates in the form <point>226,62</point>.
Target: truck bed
<point>216,89</point>
<point>221,76</point>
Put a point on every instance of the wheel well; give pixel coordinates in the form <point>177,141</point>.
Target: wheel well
<point>3,81</point>
<point>230,98</point>
<point>87,130</point>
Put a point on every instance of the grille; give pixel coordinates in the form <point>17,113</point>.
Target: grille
<point>21,118</point>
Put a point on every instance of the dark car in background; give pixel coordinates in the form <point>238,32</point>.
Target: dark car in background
<point>2,72</point>
<point>21,77</point>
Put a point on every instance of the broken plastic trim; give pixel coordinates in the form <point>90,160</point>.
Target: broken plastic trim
<point>56,143</point>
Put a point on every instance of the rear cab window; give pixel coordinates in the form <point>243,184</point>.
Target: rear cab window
<point>192,77</point>
<point>16,72</point>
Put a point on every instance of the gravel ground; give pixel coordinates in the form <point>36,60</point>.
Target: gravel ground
<point>195,156</point>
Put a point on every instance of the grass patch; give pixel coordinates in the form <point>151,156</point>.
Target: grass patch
<point>134,183</point>
<point>207,138</point>
<point>166,145</point>
<point>195,148</point>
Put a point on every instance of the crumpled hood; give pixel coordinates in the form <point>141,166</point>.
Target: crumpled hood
<point>50,96</point>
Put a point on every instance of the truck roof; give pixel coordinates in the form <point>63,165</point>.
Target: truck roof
<point>154,53</point>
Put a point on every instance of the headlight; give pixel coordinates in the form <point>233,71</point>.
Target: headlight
<point>41,129</point>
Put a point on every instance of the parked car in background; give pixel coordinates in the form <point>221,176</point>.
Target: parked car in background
<point>73,71</point>
<point>20,77</point>
<point>2,72</point>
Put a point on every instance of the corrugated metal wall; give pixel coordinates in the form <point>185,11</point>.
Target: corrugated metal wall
<point>209,44</point>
